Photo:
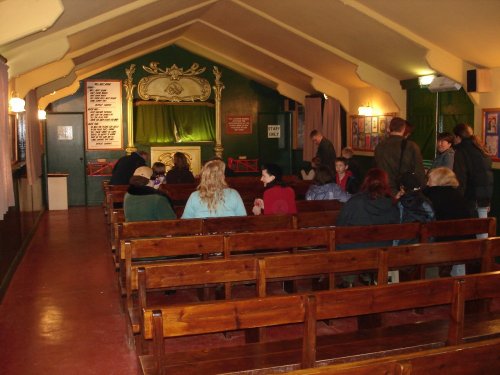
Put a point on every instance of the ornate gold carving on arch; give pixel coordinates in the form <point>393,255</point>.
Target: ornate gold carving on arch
<point>174,85</point>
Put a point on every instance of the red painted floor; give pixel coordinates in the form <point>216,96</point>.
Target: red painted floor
<point>61,313</point>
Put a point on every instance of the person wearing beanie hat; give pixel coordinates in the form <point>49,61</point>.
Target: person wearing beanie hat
<point>143,202</point>
<point>278,198</point>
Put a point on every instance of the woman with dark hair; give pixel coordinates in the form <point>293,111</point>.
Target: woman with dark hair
<point>142,202</point>
<point>278,198</point>
<point>372,205</point>
<point>180,173</point>
<point>324,187</point>
<point>472,167</point>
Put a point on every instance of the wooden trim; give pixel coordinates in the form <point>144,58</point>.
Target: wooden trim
<point>154,102</point>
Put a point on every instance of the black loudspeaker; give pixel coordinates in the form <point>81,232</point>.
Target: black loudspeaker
<point>479,80</point>
<point>471,80</point>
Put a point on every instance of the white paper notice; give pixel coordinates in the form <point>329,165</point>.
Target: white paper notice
<point>104,115</point>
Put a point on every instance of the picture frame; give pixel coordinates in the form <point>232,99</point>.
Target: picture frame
<point>366,132</point>
<point>490,131</point>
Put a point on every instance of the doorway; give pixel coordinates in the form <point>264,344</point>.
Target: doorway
<point>65,153</point>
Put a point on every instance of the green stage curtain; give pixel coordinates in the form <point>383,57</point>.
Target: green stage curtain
<point>164,123</point>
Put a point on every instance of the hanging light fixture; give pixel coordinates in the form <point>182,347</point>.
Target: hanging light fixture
<point>16,103</point>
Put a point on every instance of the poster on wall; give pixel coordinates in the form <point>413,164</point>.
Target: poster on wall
<point>103,115</point>
<point>490,131</point>
<point>238,125</point>
<point>366,132</point>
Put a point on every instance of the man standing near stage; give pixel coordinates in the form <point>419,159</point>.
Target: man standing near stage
<point>326,151</point>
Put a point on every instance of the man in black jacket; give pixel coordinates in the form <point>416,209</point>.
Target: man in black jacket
<point>326,151</point>
<point>125,167</point>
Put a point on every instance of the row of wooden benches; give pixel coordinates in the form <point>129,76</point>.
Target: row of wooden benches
<point>357,235</point>
<point>249,188</point>
<point>182,238</point>
<point>309,308</point>
<point>261,270</point>
<point>115,202</point>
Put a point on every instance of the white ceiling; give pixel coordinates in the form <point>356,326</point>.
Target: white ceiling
<point>297,46</point>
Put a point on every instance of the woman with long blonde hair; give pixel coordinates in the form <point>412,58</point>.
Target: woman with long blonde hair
<point>213,198</point>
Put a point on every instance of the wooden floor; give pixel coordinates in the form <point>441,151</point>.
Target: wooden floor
<point>61,313</point>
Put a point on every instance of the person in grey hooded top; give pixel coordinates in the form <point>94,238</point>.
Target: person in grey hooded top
<point>371,206</point>
<point>323,187</point>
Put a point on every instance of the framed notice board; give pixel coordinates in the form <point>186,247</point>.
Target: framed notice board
<point>491,116</point>
<point>367,131</point>
<point>103,115</point>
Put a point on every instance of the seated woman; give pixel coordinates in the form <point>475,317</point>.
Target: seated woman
<point>278,198</point>
<point>180,173</point>
<point>213,198</point>
<point>143,202</point>
<point>373,205</point>
<point>324,187</point>
<point>449,204</point>
<point>446,199</point>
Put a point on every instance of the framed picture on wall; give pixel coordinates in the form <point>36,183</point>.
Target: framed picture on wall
<point>491,116</point>
<point>366,132</point>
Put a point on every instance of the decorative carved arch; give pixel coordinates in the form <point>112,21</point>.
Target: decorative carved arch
<point>175,85</point>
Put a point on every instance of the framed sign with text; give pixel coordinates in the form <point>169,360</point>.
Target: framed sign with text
<point>238,125</point>
<point>491,116</point>
<point>103,115</point>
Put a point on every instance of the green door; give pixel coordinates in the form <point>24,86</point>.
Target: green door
<point>275,139</point>
<point>65,153</point>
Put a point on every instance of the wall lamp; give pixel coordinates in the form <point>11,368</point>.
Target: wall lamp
<point>16,103</point>
<point>42,115</point>
<point>365,110</point>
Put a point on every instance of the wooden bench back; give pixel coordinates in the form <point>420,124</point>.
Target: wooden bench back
<point>247,223</point>
<point>173,246</point>
<point>315,206</point>
<point>374,233</point>
<point>464,227</point>
<point>470,358</point>
<point>311,219</point>
<point>316,238</point>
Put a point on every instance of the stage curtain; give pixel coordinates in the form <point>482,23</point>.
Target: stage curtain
<point>313,121</point>
<point>166,123</point>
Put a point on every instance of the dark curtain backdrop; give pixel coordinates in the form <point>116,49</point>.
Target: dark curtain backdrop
<point>163,123</point>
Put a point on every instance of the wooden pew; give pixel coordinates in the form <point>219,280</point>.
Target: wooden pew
<point>471,358</point>
<point>318,206</point>
<point>262,270</point>
<point>307,309</point>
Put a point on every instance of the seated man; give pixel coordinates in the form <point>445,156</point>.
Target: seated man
<point>125,167</point>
